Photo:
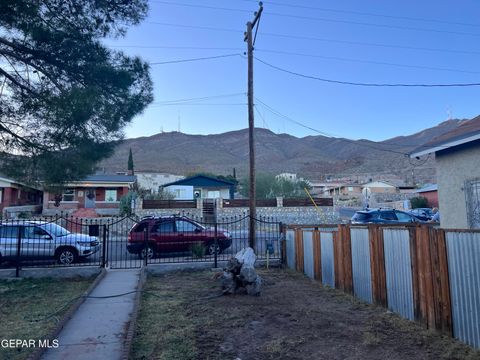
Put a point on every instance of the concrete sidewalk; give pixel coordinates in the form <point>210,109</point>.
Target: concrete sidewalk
<point>98,328</point>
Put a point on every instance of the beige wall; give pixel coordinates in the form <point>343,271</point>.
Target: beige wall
<point>453,169</point>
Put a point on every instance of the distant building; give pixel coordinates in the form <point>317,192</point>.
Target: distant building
<point>457,158</point>
<point>380,187</point>
<point>153,180</point>
<point>430,193</point>
<point>201,187</point>
<point>287,176</point>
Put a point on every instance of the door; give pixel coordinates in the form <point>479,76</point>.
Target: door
<point>164,236</point>
<point>188,234</point>
<point>37,242</point>
<point>90,198</point>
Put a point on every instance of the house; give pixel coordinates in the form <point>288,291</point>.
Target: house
<point>429,192</point>
<point>152,180</point>
<point>100,193</point>
<point>13,193</point>
<point>380,187</point>
<point>346,189</point>
<point>457,158</point>
<point>201,187</point>
<point>287,176</point>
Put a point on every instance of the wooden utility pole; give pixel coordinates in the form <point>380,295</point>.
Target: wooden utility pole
<point>251,127</point>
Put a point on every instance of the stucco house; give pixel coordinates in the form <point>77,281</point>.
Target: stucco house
<point>380,187</point>
<point>201,187</point>
<point>153,180</point>
<point>457,158</point>
<point>99,193</point>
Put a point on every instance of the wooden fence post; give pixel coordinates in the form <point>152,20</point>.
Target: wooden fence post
<point>317,256</point>
<point>377,265</point>
<point>299,250</point>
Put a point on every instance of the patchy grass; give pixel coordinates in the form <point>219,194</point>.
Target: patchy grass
<point>31,308</point>
<point>183,316</point>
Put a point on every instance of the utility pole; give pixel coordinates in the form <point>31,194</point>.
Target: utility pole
<point>251,124</point>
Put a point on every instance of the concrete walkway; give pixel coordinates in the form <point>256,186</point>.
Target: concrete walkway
<point>98,328</point>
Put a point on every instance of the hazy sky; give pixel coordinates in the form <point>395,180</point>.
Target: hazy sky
<point>426,42</point>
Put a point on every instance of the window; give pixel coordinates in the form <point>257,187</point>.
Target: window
<point>350,188</point>
<point>163,227</point>
<point>141,227</point>
<point>9,232</point>
<point>388,215</point>
<point>473,203</point>
<point>402,217</point>
<point>32,232</point>
<point>185,226</point>
<point>110,195</point>
<point>68,195</point>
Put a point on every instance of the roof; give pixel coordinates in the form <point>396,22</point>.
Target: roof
<point>467,132</point>
<point>201,181</point>
<point>105,178</point>
<point>432,187</point>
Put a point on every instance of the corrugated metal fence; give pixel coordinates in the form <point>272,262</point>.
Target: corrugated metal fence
<point>422,273</point>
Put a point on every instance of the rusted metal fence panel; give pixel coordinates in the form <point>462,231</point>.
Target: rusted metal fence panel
<point>398,270</point>
<point>290,242</point>
<point>361,267</point>
<point>308,254</point>
<point>463,250</point>
<point>327,259</point>
<point>169,204</point>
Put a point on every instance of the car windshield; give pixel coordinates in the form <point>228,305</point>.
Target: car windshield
<point>55,229</point>
<point>362,216</point>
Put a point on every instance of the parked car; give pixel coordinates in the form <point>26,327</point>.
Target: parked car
<point>383,216</point>
<point>174,234</point>
<point>40,240</point>
<point>424,214</point>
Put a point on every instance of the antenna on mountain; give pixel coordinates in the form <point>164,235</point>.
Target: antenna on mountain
<point>449,112</point>
<point>179,128</point>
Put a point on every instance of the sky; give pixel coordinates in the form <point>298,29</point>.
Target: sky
<point>381,42</point>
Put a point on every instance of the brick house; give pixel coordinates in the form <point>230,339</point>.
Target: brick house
<point>100,194</point>
<point>430,193</point>
<point>13,193</point>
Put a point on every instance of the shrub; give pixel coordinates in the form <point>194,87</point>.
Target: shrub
<point>419,202</point>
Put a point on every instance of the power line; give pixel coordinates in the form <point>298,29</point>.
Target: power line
<point>368,61</point>
<point>312,38</point>
<point>302,17</point>
<point>176,47</point>
<point>200,98</point>
<point>356,142</point>
<point>194,59</point>
<point>311,77</point>
<point>200,104</point>
<point>366,13</point>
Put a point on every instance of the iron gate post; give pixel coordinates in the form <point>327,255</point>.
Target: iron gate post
<point>104,246</point>
<point>145,247</point>
<point>215,242</point>
<point>282,243</point>
<point>19,258</point>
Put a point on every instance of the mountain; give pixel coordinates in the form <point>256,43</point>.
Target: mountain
<point>311,156</point>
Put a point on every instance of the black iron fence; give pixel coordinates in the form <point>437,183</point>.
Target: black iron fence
<point>130,242</point>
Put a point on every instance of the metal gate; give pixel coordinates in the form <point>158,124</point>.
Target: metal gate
<point>132,243</point>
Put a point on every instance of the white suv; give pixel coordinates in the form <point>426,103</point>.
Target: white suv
<point>41,239</point>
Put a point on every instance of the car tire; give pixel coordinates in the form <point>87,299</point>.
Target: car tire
<point>66,256</point>
<point>149,251</point>
<point>211,248</point>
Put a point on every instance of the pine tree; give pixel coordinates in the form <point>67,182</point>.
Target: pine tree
<point>130,163</point>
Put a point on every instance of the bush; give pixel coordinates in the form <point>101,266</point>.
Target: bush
<point>126,203</point>
<point>419,202</point>
<point>198,250</point>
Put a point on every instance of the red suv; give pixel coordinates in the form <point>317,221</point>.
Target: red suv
<point>174,234</point>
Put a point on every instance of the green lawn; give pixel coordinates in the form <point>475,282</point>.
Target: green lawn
<point>30,308</point>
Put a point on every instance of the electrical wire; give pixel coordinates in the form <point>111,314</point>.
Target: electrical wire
<point>311,38</point>
<point>356,142</point>
<point>201,98</point>
<point>301,17</point>
<point>367,61</point>
<point>296,6</point>
<point>311,77</point>
<point>194,59</point>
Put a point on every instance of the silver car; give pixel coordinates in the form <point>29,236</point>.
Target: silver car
<point>41,239</point>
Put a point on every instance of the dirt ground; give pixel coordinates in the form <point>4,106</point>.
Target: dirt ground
<point>182,317</point>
